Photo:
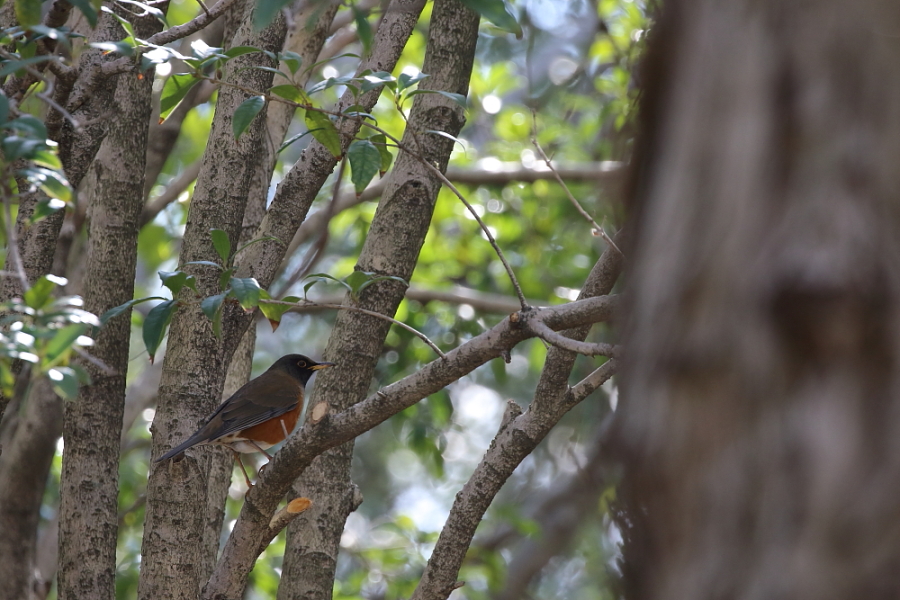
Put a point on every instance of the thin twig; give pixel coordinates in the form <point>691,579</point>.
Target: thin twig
<point>597,228</point>
<point>554,338</point>
<point>308,304</point>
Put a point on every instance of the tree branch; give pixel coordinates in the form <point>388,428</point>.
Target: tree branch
<point>240,550</point>
<point>557,339</point>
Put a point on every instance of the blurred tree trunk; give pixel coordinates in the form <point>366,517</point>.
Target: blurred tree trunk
<point>761,392</point>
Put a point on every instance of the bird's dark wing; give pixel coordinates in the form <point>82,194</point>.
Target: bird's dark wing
<point>268,396</point>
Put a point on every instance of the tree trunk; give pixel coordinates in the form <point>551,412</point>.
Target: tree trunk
<point>93,422</point>
<point>760,397</point>
<point>174,565</point>
<point>391,248</point>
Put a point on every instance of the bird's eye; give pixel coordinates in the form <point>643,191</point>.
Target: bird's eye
<point>301,363</point>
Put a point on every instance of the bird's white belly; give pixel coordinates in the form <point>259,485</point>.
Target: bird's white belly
<point>241,445</point>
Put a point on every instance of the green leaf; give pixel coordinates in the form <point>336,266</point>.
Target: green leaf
<point>128,27</point>
<point>176,88</point>
<point>293,61</point>
<point>225,277</point>
<point>274,312</point>
<point>118,310</point>
<point>377,79</point>
<point>405,81</point>
<point>123,48</point>
<point>365,162</point>
<point>291,92</point>
<point>246,290</point>
<point>291,140</point>
<point>245,113</point>
<point>87,9</point>
<point>265,238</point>
<point>14,65</point>
<point>62,342</point>
<point>29,125</point>
<point>151,10</point>
<point>212,308</point>
<point>380,142</point>
<point>324,130</point>
<point>205,263</point>
<point>363,29</point>
<point>4,110</point>
<point>458,98</point>
<point>221,243</point>
<point>53,183</point>
<point>41,292</point>
<point>44,208</point>
<point>497,12</point>
<point>28,12</point>
<point>156,324</point>
<point>64,381</point>
<point>47,158</point>
<point>176,280</point>
<point>317,277</point>
<point>360,280</point>
<point>446,135</point>
<point>266,11</point>
<point>240,51</point>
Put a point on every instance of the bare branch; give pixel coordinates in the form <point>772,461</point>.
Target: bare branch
<point>597,229</point>
<point>556,339</point>
<point>308,305</point>
<point>240,550</point>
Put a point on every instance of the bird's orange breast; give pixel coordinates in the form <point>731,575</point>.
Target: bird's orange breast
<point>273,431</point>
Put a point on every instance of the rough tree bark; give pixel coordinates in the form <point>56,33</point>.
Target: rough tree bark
<point>174,564</point>
<point>391,248</point>
<point>761,397</point>
<point>92,427</point>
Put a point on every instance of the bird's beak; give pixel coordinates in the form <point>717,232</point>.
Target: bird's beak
<point>321,366</point>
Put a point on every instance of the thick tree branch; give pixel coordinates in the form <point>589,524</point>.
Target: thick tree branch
<point>552,399</point>
<point>240,550</point>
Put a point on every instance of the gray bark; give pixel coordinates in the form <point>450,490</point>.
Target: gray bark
<point>193,377</point>
<point>24,468</point>
<point>512,444</point>
<point>391,248</point>
<point>93,422</point>
<point>760,394</point>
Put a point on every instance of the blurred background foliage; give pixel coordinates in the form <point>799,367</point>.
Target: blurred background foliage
<point>572,76</point>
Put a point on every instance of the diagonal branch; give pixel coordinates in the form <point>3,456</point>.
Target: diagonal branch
<point>243,546</point>
<point>557,339</point>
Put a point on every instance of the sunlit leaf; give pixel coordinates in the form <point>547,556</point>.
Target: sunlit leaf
<point>174,91</point>
<point>62,342</point>
<point>290,92</point>
<point>324,131</point>
<point>41,291</point>
<point>405,80</point>
<point>274,312</point>
<point>247,292</point>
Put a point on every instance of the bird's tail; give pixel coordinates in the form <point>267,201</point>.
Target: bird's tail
<point>191,441</point>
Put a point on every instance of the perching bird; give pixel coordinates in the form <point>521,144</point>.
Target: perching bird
<point>260,414</point>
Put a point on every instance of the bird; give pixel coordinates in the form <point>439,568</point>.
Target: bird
<point>260,414</point>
